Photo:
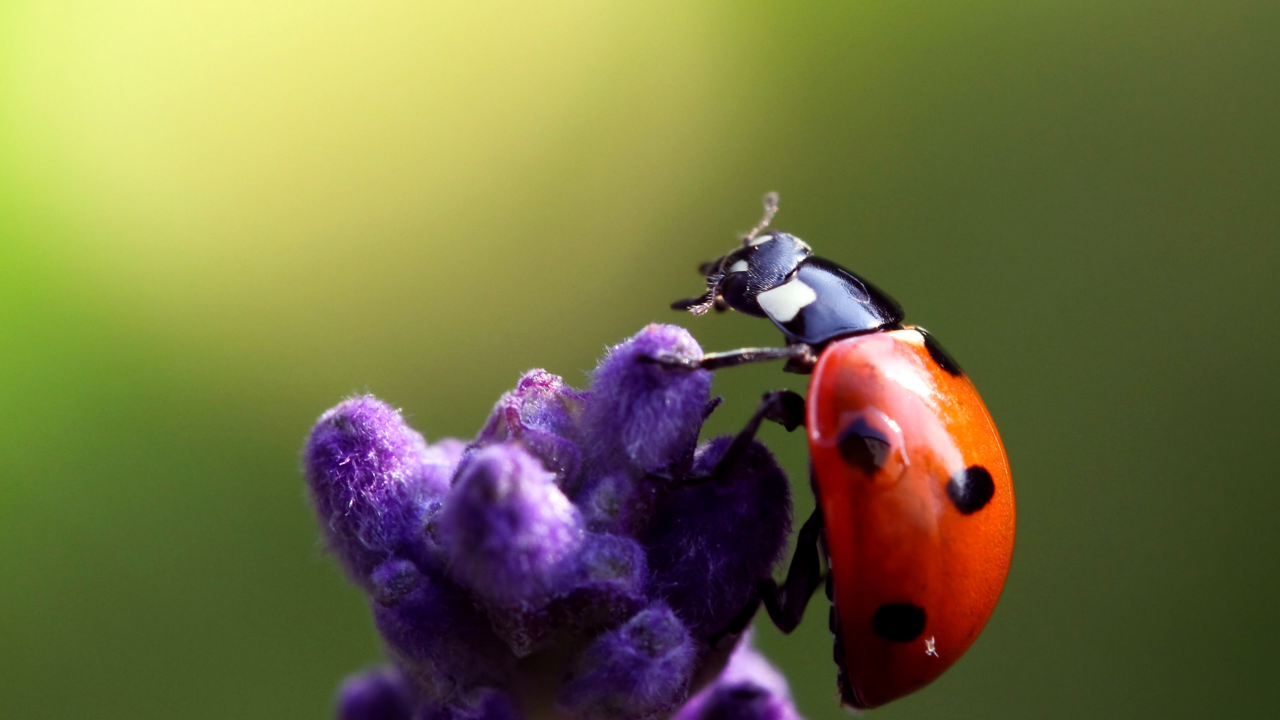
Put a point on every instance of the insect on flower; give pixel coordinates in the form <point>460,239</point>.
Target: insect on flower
<point>915,500</point>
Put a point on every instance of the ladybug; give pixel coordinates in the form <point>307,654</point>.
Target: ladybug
<point>914,521</point>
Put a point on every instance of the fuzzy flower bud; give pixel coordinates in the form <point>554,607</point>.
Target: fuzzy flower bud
<point>575,561</point>
<point>378,694</point>
<point>648,413</point>
<point>749,688</point>
<point>541,413</point>
<point>370,475</point>
<point>701,562</point>
<point>441,641</point>
<point>641,670</point>
<point>509,530</point>
<point>487,704</point>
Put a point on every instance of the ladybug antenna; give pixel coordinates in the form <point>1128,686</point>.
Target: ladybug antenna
<point>770,209</point>
<point>713,271</point>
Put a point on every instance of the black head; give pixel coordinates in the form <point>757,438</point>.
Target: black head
<point>775,275</point>
<point>735,281</point>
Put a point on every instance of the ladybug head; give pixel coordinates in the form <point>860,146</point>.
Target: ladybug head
<point>763,262</point>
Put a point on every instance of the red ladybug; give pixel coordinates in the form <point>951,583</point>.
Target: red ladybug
<point>915,511</point>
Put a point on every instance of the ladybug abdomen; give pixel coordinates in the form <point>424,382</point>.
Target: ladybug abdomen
<point>918,506</point>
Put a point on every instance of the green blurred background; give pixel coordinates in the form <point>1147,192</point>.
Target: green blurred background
<point>219,218</point>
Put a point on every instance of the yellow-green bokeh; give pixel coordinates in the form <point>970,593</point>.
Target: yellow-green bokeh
<point>219,218</point>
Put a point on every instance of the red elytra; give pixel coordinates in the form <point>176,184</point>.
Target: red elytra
<point>895,538</point>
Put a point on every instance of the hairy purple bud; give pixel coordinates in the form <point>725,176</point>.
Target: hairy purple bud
<point>510,532</point>
<point>749,688</point>
<point>605,585</point>
<point>438,464</point>
<point>647,413</point>
<point>711,544</point>
<point>542,414</point>
<point>441,640</point>
<point>370,475</point>
<point>618,503</point>
<point>484,704</point>
<point>639,671</point>
<point>609,584</point>
<point>376,694</point>
<point>392,580</point>
<point>611,566</point>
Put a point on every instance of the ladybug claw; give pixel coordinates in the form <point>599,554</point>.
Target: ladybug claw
<point>786,603</point>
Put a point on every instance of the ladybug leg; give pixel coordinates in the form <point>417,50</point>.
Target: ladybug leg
<point>781,406</point>
<point>736,626</point>
<point>799,357</point>
<point>786,604</point>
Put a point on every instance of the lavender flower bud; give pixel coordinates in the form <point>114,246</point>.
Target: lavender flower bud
<point>711,544</point>
<point>542,414</point>
<point>644,412</point>
<point>510,532</point>
<point>377,694</point>
<point>609,585</point>
<point>369,475</point>
<point>749,688</point>
<point>394,579</point>
<point>620,502</point>
<point>604,586</point>
<point>639,671</point>
<point>441,640</point>
<point>485,704</point>
<point>611,570</point>
<point>438,465</point>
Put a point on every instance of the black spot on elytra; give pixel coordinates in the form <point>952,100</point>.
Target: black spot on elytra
<point>940,355</point>
<point>862,446</point>
<point>898,622</point>
<point>971,489</point>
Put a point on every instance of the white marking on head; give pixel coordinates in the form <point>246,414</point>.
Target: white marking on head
<point>760,239</point>
<point>786,301</point>
<point>740,266</point>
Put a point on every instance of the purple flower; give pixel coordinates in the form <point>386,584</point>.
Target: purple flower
<point>575,560</point>
<point>748,688</point>
<point>542,413</point>
<point>378,694</point>
<point>643,412</point>
<point>370,477</point>
<point>640,670</point>
<point>442,641</point>
<point>484,704</point>
<point>510,533</point>
<point>702,562</point>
